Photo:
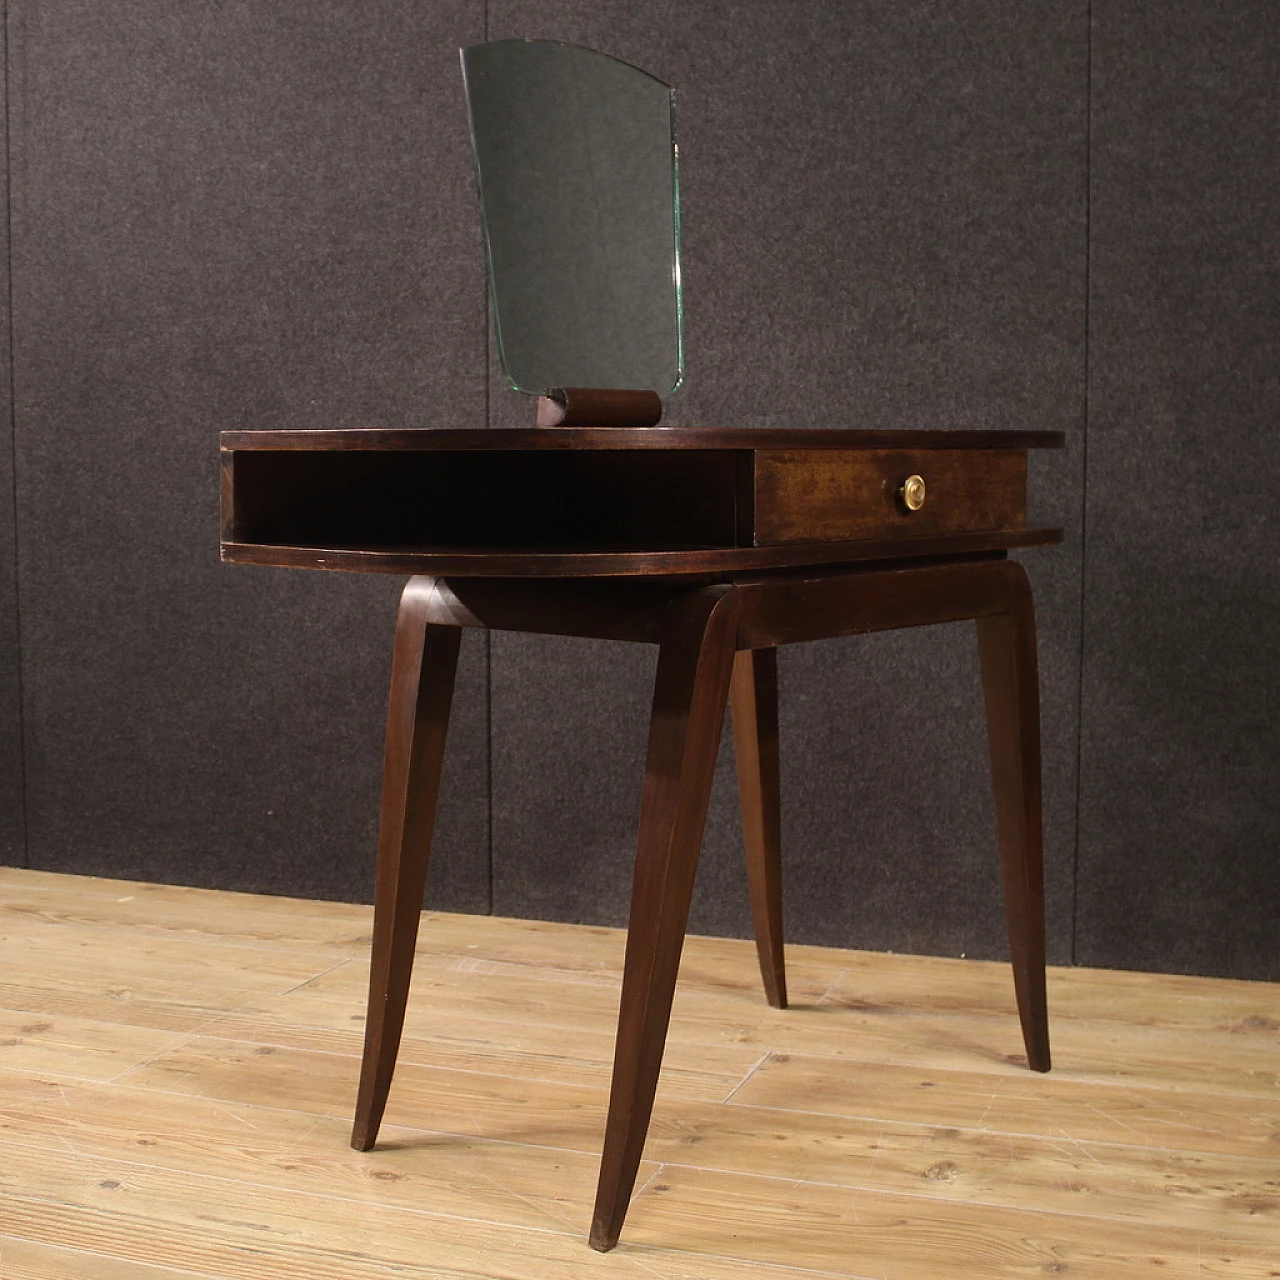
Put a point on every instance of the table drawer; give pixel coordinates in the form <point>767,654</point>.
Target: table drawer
<point>809,495</point>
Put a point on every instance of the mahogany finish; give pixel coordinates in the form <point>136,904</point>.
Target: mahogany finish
<point>577,439</point>
<point>660,537</point>
<point>1011,690</point>
<point>844,494</point>
<point>595,502</point>
<point>598,407</point>
<point>695,662</point>
<point>510,562</point>
<point>423,664</point>
<point>753,706</point>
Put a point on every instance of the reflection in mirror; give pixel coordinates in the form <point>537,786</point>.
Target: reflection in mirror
<point>576,166</point>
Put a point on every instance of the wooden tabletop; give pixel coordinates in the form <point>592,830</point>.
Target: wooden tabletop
<point>576,438</point>
<point>596,501</point>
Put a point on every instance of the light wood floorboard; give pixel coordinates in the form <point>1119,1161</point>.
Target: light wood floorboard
<point>178,1069</point>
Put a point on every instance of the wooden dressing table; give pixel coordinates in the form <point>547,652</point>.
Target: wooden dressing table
<point>716,545</point>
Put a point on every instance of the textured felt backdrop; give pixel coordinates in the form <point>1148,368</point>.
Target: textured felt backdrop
<point>1181,762</point>
<point>894,215</point>
<point>226,216</point>
<point>12,834</point>
<point>884,226</point>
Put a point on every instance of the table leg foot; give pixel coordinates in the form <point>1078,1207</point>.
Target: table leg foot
<point>1007,648</point>
<point>753,703</point>
<point>423,666</point>
<point>695,662</point>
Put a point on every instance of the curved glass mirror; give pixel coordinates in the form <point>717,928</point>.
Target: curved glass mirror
<point>576,166</point>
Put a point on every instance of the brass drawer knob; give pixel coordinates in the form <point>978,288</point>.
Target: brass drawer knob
<point>912,493</point>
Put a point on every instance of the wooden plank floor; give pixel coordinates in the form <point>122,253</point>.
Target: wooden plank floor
<point>178,1068</point>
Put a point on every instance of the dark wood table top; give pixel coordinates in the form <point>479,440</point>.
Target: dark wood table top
<point>539,439</point>
<point>594,501</point>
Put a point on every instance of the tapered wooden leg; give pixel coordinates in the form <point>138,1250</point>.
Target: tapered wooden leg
<point>753,704</point>
<point>1007,647</point>
<point>694,666</point>
<point>423,666</point>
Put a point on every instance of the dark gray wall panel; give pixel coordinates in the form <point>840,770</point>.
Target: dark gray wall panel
<point>1179,815</point>
<point>227,216</point>
<point>568,762</point>
<point>13,850</point>
<point>264,216</point>
<point>884,227</point>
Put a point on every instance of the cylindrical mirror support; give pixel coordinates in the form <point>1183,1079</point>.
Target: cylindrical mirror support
<point>598,407</point>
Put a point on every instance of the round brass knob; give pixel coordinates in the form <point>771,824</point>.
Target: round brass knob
<point>912,493</point>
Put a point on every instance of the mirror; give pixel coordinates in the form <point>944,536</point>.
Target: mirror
<point>576,168</point>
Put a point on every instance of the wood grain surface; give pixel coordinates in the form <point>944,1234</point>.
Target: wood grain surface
<point>574,438</point>
<point>570,562</point>
<point>812,495</point>
<point>178,1070</point>
<point>589,502</point>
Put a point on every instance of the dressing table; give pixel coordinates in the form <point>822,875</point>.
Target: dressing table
<point>715,545</point>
